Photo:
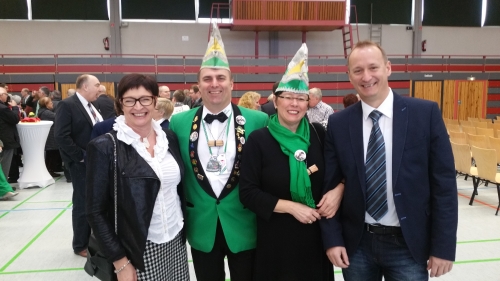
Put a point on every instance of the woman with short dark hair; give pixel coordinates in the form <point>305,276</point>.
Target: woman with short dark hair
<point>149,243</point>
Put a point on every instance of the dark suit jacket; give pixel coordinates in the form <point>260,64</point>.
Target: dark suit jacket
<point>268,108</point>
<point>423,178</point>
<point>102,127</point>
<point>165,124</point>
<point>106,106</point>
<point>197,103</point>
<point>72,129</point>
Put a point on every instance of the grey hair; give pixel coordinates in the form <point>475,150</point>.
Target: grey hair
<point>316,92</point>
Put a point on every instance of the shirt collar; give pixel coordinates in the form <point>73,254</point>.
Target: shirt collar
<point>82,99</point>
<point>227,110</point>
<point>385,108</point>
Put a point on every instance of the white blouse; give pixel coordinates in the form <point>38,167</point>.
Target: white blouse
<point>167,220</point>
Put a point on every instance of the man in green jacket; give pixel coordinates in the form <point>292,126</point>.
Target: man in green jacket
<point>211,139</point>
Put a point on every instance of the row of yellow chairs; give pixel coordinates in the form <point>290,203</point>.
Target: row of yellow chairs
<point>485,169</point>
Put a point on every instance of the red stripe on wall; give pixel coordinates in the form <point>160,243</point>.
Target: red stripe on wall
<point>31,87</point>
<point>493,110</point>
<point>493,97</point>
<point>494,83</point>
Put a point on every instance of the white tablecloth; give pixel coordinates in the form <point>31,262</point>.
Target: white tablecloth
<point>33,137</point>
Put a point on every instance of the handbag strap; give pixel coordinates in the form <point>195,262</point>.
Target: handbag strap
<point>114,180</point>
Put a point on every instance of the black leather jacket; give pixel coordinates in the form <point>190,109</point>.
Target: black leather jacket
<point>138,187</point>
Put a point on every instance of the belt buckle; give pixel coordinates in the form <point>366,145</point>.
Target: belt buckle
<point>368,228</point>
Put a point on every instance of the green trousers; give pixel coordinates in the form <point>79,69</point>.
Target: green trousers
<point>4,185</point>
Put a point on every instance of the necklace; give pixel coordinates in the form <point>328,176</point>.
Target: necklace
<point>145,139</point>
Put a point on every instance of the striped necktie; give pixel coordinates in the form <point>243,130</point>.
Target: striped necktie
<point>376,180</point>
<point>93,113</point>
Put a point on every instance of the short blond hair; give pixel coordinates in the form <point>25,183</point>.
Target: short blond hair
<point>166,106</point>
<point>248,100</point>
<point>366,44</point>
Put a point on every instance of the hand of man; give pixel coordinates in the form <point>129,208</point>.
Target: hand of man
<point>439,266</point>
<point>338,256</point>
<point>330,202</point>
<point>13,103</point>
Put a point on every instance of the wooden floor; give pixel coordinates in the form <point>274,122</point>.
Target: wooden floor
<point>35,235</point>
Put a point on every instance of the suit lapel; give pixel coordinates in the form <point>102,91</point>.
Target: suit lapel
<point>399,129</point>
<point>356,134</point>
<point>79,105</point>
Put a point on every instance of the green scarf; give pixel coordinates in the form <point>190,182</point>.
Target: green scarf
<point>300,184</point>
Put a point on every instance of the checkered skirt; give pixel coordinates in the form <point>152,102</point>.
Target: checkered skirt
<point>165,262</point>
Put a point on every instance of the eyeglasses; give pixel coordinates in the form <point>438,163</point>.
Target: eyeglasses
<point>290,99</point>
<point>144,101</point>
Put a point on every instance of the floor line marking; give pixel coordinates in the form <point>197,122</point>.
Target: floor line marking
<point>477,261</point>
<point>478,241</point>
<point>33,195</point>
<point>37,209</point>
<point>32,240</point>
<point>42,270</point>
<point>478,201</point>
<point>57,201</point>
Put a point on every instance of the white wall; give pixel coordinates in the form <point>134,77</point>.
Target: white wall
<point>57,37</point>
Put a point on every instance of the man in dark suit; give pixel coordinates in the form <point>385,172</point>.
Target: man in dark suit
<point>269,106</point>
<point>104,104</point>
<point>74,121</point>
<point>195,94</point>
<point>398,216</point>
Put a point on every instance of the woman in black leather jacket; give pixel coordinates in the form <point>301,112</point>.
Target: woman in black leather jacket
<point>149,243</point>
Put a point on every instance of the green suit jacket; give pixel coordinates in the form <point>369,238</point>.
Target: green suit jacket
<point>203,206</point>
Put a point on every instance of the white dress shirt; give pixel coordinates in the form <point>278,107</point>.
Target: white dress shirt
<point>85,104</point>
<point>217,179</point>
<point>385,123</point>
<point>167,220</point>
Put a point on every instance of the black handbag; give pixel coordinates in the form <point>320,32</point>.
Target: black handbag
<point>97,265</point>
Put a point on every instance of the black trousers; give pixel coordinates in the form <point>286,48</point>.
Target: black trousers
<point>81,227</point>
<point>210,266</point>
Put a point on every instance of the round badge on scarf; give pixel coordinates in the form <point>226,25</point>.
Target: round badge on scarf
<point>193,137</point>
<point>300,155</point>
<point>240,120</point>
<point>242,140</point>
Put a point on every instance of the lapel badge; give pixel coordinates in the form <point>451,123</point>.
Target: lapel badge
<point>195,169</point>
<point>242,140</point>
<point>228,186</point>
<point>300,155</point>
<point>195,127</point>
<point>191,154</point>
<point>233,179</point>
<point>194,162</point>
<point>195,119</point>
<point>240,130</point>
<point>240,120</point>
<point>200,177</point>
<point>239,147</point>
<point>194,135</point>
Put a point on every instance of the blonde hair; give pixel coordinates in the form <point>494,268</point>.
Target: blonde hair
<point>43,102</point>
<point>166,106</point>
<point>249,99</point>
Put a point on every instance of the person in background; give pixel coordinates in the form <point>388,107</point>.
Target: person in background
<point>163,110</point>
<point>53,160</point>
<point>269,107</point>
<point>56,97</point>
<point>104,104</point>
<point>6,191</point>
<point>150,243</point>
<point>250,100</point>
<point>318,110</point>
<point>75,118</point>
<point>70,92</point>
<point>178,101</point>
<point>9,117</point>
<point>25,94</point>
<point>164,92</point>
<point>194,93</point>
<point>282,182</point>
<point>349,100</point>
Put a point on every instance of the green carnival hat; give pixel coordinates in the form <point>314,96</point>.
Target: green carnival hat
<point>215,56</point>
<point>295,79</point>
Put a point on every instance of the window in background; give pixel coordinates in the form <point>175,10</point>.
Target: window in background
<point>452,13</point>
<point>158,10</point>
<point>14,9</point>
<point>384,11</point>
<point>69,9</point>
